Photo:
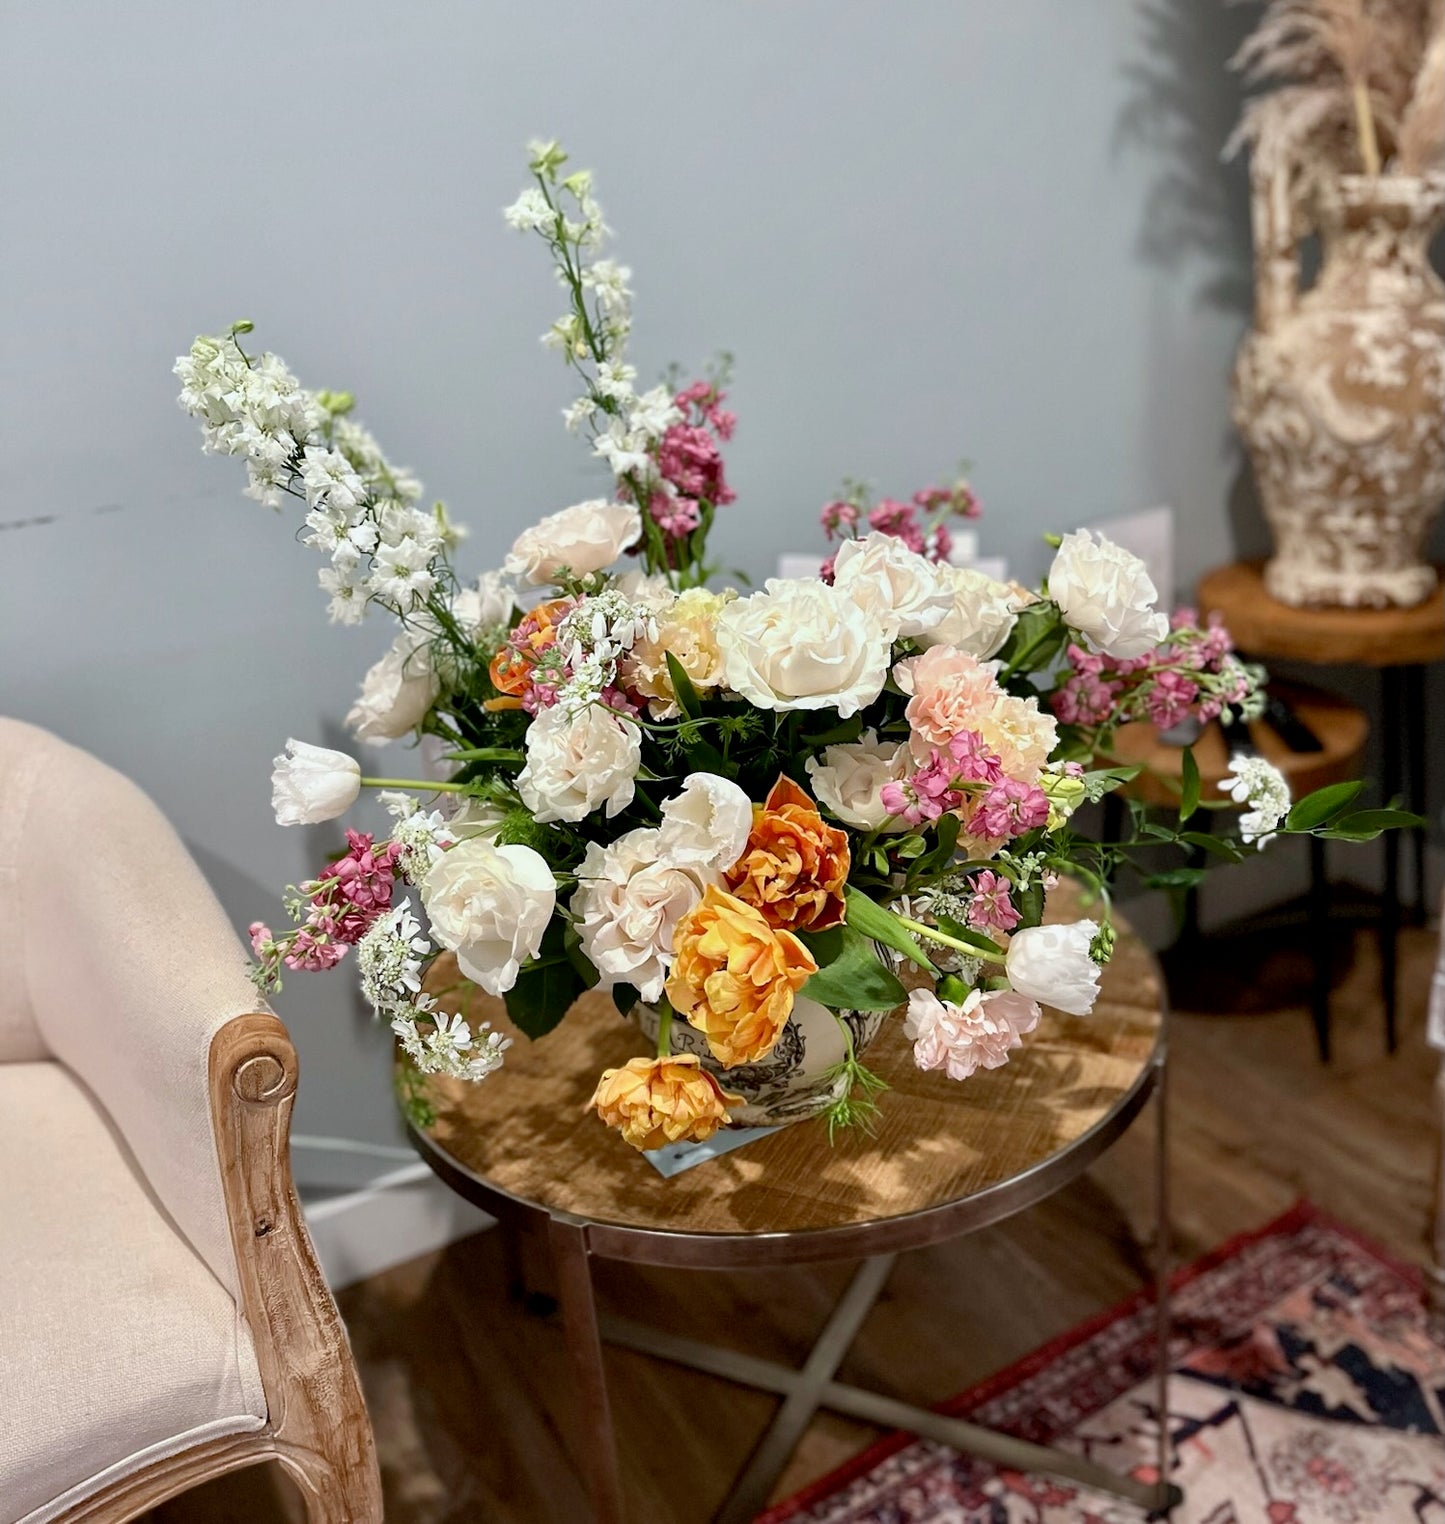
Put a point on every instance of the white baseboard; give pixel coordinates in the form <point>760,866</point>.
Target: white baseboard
<point>397,1217</point>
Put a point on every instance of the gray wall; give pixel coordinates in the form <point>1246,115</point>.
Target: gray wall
<point>926,230</point>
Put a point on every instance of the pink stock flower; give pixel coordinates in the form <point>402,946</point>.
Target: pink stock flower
<point>260,934</point>
<point>364,875</point>
<point>898,519</point>
<point>992,907</point>
<point>1010,808</point>
<point>1169,699</point>
<point>959,499</point>
<point>675,515</point>
<point>311,954</point>
<point>837,516</point>
<point>973,761</point>
<point>688,460</point>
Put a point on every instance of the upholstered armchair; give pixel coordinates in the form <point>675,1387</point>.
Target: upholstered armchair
<point>162,1316</point>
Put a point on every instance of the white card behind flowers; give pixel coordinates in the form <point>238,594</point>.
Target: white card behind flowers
<point>677,1157</point>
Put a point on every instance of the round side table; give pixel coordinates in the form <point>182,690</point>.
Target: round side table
<point>946,1159</point>
<point>1400,644</point>
<point>1342,730</point>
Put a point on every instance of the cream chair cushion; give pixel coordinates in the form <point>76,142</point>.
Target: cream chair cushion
<point>118,1345</point>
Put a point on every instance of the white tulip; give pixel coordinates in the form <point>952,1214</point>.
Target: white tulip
<point>1051,964</point>
<point>1105,592</point>
<point>490,906</point>
<point>313,783</point>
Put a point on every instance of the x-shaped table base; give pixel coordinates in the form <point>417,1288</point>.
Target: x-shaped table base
<point>805,1391</point>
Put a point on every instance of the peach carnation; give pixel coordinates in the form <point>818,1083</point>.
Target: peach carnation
<point>795,866</point>
<point>735,977</point>
<point>656,1101</point>
<point>948,691</point>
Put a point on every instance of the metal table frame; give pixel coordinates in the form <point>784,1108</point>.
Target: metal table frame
<point>574,1241</point>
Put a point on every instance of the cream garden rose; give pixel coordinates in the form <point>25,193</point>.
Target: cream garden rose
<point>583,538</point>
<point>490,905</point>
<point>848,781</point>
<point>903,591</point>
<point>980,616</point>
<point>397,691</point>
<point>1106,593</point>
<point>578,763</point>
<point>627,907</point>
<point>800,644</point>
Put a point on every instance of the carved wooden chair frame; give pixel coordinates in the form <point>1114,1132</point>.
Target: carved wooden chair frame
<point>317,1426</point>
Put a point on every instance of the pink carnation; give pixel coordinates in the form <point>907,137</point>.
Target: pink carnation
<point>962,1039</point>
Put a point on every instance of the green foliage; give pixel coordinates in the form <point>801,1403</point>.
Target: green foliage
<point>687,699</point>
<point>543,994</point>
<point>1038,635</point>
<point>412,1097</point>
<point>1321,806</point>
<point>880,925</point>
<point>1366,825</point>
<point>849,976</point>
<point>1189,780</point>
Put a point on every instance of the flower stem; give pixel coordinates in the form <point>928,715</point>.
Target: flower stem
<point>664,1030</point>
<point>935,935</point>
<point>421,784</point>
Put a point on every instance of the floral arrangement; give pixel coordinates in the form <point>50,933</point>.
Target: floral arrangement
<point>713,804</point>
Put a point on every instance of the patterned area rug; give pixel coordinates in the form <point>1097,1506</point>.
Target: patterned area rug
<point>1305,1390</point>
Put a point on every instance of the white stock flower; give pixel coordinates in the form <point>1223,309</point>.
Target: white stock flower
<point>397,691</point>
<point>313,783</point>
<point>490,906</point>
<point>962,1039</point>
<point>896,586</point>
<point>1051,964</point>
<point>1265,789</point>
<point>848,780</point>
<point>583,538</point>
<point>706,825</point>
<point>627,907</point>
<point>1105,592</point>
<point>578,762</point>
<point>801,644</point>
<point>980,617</point>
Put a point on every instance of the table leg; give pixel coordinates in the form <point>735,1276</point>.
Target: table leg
<point>750,1492</point>
<point>1321,952</point>
<point>1415,717</point>
<point>596,1445</point>
<point>1436,1271</point>
<point>1392,721</point>
<point>1168,1494</point>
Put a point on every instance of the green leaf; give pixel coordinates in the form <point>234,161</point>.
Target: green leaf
<point>542,996</point>
<point>1104,780</point>
<point>1176,878</point>
<point>840,734</point>
<point>1365,825</point>
<point>880,925</point>
<point>1189,778</point>
<point>687,699</point>
<point>1029,903</point>
<point>849,976</point>
<point>963,933</point>
<point>624,997</point>
<point>1322,805</point>
<point>1216,845</point>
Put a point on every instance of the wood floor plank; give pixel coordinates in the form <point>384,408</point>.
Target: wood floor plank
<point>468,1392</point>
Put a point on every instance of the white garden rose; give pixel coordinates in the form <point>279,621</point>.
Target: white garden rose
<point>980,617</point>
<point>579,761</point>
<point>707,825</point>
<point>490,906</point>
<point>488,604</point>
<point>848,780</point>
<point>1105,592</point>
<point>896,586</point>
<point>583,538</point>
<point>313,783</point>
<point>800,644</point>
<point>1051,964</point>
<point>397,691</point>
<point>627,907</point>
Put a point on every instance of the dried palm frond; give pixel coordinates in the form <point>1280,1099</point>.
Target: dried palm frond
<point>1420,142</point>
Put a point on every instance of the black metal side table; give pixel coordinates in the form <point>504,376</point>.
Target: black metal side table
<point>1400,644</point>
<point>521,1147</point>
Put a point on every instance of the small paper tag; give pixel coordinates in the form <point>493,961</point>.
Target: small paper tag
<point>1435,1026</point>
<point>677,1157</point>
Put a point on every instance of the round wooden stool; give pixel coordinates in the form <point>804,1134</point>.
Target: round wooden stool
<point>947,1158</point>
<point>1342,730</point>
<point>1399,644</point>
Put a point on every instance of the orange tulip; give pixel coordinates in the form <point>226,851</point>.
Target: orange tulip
<point>795,866</point>
<point>656,1101</point>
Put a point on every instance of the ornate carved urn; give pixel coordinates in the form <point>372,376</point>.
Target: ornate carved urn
<point>1340,391</point>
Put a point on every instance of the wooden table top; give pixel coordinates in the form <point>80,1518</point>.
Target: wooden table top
<point>525,1131</point>
<point>1341,726</point>
<point>1264,627</point>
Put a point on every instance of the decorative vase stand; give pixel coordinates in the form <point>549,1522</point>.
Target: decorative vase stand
<point>520,1147</point>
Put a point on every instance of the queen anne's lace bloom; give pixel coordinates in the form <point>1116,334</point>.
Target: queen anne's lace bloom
<point>448,1046</point>
<point>389,959</point>
<point>1265,789</point>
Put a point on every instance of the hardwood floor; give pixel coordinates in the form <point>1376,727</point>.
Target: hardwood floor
<point>469,1393</point>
